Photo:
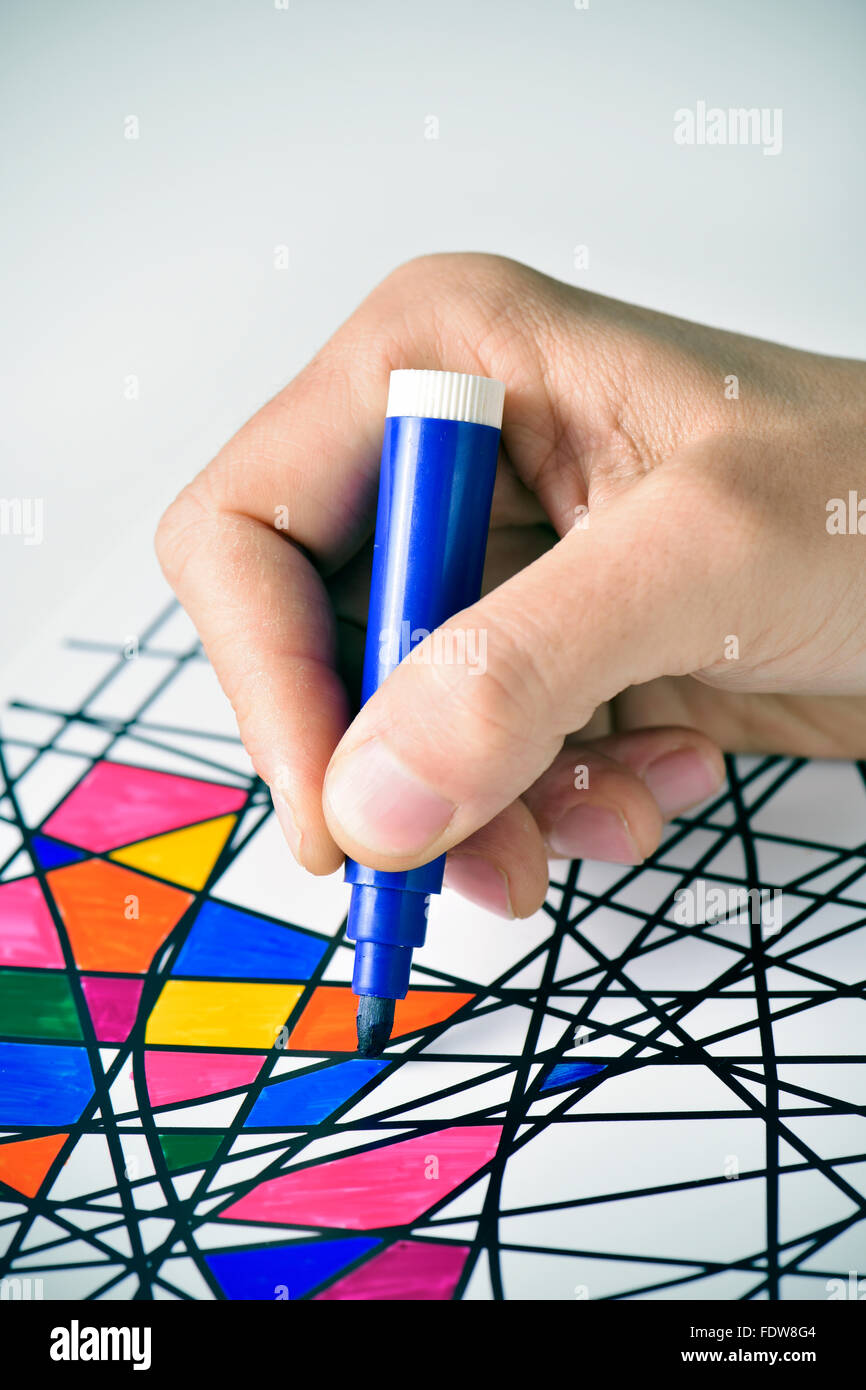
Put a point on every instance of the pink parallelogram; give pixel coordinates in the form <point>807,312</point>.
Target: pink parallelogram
<point>408,1271</point>
<point>176,1076</point>
<point>28,936</point>
<point>113,1003</point>
<point>388,1186</point>
<point>115,804</point>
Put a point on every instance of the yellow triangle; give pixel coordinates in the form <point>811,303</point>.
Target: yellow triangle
<point>182,856</point>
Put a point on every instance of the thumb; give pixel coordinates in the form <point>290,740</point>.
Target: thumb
<point>478,711</point>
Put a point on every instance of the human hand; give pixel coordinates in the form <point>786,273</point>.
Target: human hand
<point>662,581</point>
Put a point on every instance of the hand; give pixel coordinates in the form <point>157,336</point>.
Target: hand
<point>663,581</point>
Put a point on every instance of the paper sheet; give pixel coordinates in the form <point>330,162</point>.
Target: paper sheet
<point>655,1088</point>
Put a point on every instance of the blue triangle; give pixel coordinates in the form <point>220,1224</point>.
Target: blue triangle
<point>313,1096</point>
<point>285,1271</point>
<point>51,854</point>
<point>569,1073</point>
<point>226,943</point>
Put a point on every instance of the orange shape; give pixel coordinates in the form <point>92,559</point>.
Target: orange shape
<point>116,919</point>
<point>24,1163</point>
<point>328,1021</point>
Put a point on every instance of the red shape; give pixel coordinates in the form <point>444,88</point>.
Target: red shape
<point>115,804</point>
<point>176,1076</point>
<point>28,935</point>
<point>408,1271</point>
<point>328,1022</point>
<point>24,1163</point>
<point>113,1003</point>
<point>388,1186</point>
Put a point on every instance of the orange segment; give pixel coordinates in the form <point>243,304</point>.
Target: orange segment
<point>24,1163</point>
<point>328,1021</point>
<point>116,919</point>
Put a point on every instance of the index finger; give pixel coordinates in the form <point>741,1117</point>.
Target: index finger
<point>290,497</point>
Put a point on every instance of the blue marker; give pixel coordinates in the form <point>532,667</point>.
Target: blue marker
<point>435,490</point>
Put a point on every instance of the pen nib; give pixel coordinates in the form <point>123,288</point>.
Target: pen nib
<point>375,1021</point>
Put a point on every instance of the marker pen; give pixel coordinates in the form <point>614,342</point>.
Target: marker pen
<point>435,490</point>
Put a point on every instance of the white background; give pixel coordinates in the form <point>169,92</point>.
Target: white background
<point>305,127</point>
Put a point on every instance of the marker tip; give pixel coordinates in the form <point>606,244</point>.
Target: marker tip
<point>375,1021</point>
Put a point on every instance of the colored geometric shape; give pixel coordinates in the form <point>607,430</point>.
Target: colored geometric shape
<point>569,1073</point>
<point>188,1150</point>
<point>387,1186</point>
<point>295,1268</point>
<point>42,1084</point>
<point>173,1077</point>
<point>28,935</point>
<point>113,1002</point>
<point>208,1013</point>
<point>310,1098</point>
<point>24,1162</point>
<point>184,856</point>
<point>37,1004</point>
<point>115,803</point>
<point>226,942</point>
<point>408,1271</point>
<point>328,1021</point>
<point>50,854</point>
<point>115,919</point>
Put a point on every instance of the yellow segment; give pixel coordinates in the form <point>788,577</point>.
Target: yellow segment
<point>221,1013</point>
<point>182,856</point>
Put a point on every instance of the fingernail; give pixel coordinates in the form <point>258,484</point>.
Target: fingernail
<point>288,824</point>
<point>681,779</point>
<point>594,832</point>
<point>381,805</point>
<point>479,881</point>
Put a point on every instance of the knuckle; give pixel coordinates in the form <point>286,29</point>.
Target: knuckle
<point>490,711</point>
<point>179,531</point>
<point>446,265</point>
<point>471,282</point>
<point>497,707</point>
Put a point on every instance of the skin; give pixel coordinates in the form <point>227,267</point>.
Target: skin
<point>700,604</point>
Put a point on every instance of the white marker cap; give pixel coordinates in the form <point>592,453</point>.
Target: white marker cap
<point>447,396</point>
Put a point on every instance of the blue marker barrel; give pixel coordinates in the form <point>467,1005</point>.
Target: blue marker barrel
<point>435,490</point>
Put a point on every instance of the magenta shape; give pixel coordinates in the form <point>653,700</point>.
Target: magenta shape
<point>27,932</point>
<point>388,1186</point>
<point>115,804</point>
<point>408,1271</point>
<point>176,1076</point>
<point>113,1003</point>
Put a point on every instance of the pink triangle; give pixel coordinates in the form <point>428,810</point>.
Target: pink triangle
<point>113,1003</point>
<point>176,1076</point>
<point>388,1186</point>
<point>28,935</point>
<point>115,804</point>
<point>408,1271</point>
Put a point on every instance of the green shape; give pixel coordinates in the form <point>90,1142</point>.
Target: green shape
<point>37,1004</point>
<point>189,1150</point>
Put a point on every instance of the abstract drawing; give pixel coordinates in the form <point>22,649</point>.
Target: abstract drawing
<point>655,1088</point>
